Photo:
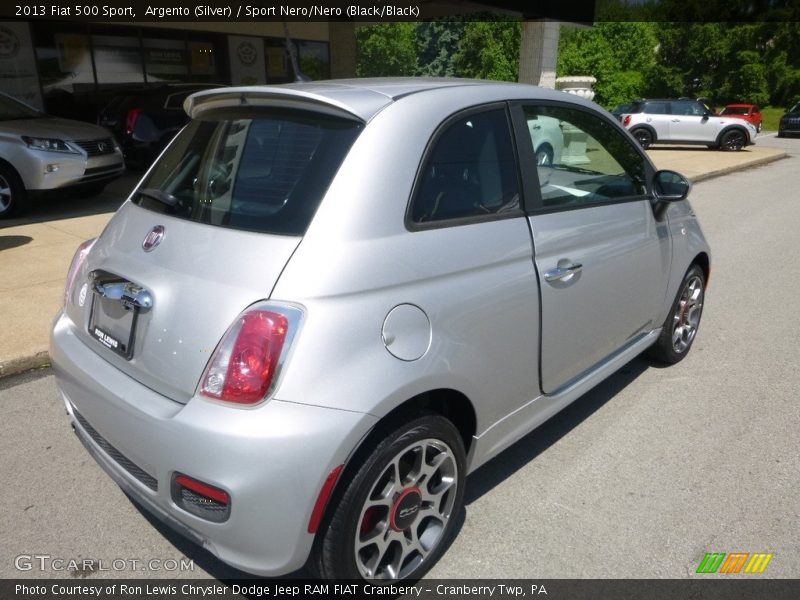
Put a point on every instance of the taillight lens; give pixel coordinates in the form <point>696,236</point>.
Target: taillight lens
<point>131,118</point>
<point>75,266</point>
<point>627,120</point>
<point>243,368</point>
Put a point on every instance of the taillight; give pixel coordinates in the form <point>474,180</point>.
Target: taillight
<point>131,118</point>
<point>77,262</point>
<point>627,120</point>
<point>244,366</point>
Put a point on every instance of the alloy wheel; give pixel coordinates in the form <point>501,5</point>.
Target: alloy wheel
<point>406,511</point>
<point>687,316</point>
<point>5,195</point>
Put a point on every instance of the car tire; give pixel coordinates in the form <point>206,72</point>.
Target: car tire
<point>643,136</point>
<point>418,466</point>
<point>781,134</point>
<point>13,198</point>
<point>681,325</point>
<point>733,141</point>
<point>544,156</point>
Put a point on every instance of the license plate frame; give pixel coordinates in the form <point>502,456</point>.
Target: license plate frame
<point>112,324</point>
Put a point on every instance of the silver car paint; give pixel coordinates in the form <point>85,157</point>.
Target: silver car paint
<point>30,164</point>
<point>476,284</point>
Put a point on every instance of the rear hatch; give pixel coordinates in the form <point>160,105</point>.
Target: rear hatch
<point>206,234</point>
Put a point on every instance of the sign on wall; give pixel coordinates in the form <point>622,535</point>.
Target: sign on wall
<point>18,76</point>
<point>247,60</point>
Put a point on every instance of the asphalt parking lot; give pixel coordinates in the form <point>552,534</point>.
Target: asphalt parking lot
<point>638,479</point>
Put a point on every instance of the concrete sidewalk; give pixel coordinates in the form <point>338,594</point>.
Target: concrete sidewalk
<point>35,257</point>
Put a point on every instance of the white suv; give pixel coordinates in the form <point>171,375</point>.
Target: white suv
<point>685,121</point>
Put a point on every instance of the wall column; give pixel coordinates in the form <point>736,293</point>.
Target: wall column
<point>343,49</point>
<point>538,53</point>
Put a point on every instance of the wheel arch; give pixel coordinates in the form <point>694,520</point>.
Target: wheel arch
<point>729,128</point>
<point>649,128</point>
<point>448,403</point>
<point>703,261</point>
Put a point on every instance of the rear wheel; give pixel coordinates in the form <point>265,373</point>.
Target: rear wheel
<point>680,327</point>
<point>12,192</point>
<point>733,141</point>
<point>644,137</point>
<point>397,514</point>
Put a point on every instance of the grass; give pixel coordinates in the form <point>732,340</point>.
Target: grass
<point>772,115</point>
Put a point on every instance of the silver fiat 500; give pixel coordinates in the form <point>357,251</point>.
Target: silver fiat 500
<point>327,303</point>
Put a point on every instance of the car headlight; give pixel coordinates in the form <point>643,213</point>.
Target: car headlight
<point>48,144</point>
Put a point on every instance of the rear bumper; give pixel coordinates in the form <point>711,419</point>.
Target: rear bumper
<point>272,459</point>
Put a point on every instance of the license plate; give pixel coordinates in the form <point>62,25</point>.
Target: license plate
<point>113,324</point>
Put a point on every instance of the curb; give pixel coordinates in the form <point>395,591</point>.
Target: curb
<point>20,364</point>
<point>733,168</point>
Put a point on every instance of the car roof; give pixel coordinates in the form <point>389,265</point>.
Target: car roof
<point>359,99</point>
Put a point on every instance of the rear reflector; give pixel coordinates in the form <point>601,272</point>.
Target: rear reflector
<point>203,489</point>
<point>200,499</point>
<point>322,499</point>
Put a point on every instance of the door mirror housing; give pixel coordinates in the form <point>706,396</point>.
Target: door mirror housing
<point>669,186</point>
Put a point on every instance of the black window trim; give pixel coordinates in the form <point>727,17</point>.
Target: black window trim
<point>527,163</point>
<point>516,213</point>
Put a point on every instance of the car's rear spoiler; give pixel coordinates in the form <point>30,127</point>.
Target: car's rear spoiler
<point>359,109</point>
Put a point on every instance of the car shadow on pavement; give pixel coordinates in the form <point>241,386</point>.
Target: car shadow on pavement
<point>64,205</point>
<point>508,462</point>
<point>13,241</point>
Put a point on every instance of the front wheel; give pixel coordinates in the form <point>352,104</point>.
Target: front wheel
<point>397,514</point>
<point>12,192</point>
<point>680,327</point>
<point>733,141</point>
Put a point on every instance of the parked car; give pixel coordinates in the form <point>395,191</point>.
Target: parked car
<point>328,302</point>
<point>42,154</point>
<point>145,120</point>
<point>620,109</point>
<point>790,122</point>
<point>749,112</point>
<point>686,121</point>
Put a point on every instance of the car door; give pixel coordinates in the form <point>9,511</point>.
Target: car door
<point>656,115</point>
<point>689,122</point>
<point>601,256</point>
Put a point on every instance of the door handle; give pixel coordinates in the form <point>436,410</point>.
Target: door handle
<point>562,272</point>
<point>676,120</point>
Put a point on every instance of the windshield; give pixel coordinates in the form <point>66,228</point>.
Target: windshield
<point>267,173</point>
<point>795,108</point>
<point>10,110</point>
<point>735,110</point>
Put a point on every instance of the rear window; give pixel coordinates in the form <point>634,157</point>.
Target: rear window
<point>267,173</point>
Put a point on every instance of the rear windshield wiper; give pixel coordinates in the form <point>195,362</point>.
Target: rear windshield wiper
<point>159,196</point>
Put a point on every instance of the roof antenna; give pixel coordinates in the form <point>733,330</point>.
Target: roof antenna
<point>299,76</point>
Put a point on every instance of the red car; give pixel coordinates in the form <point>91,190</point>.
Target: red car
<point>748,112</point>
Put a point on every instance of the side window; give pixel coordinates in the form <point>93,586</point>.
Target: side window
<point>655,108</point>
<point>582,159</point>
<point>471,171</point>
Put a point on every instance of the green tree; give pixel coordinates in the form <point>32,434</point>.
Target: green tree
<point>618,54</point>
<point>386,50</point>
<point>437,46</point>
<point>489,50</point>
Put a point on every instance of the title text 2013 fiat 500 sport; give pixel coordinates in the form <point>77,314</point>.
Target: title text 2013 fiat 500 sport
<point>327,303</point>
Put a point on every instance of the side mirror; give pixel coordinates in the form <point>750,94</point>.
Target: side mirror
<point>669,186</point>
